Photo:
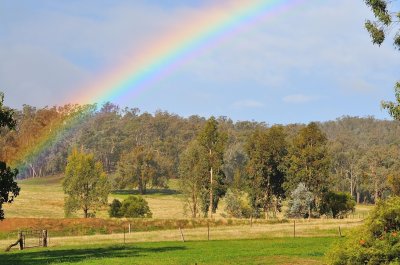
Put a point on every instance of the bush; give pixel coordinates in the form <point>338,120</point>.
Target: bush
<point>236,204</point>
<point>337,204</point>
<point>115,209</point>
<point>376,242</point>
<point>135,206</point>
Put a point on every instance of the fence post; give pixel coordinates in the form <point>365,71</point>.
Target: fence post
<point>129,228</point>
<point>44,236</point>
<point>21,241</point>
<point>183,238</point>
<point>340,232</point>
<point>294,228</point>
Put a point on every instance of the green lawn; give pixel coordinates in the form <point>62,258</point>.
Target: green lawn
<point>260,251</point>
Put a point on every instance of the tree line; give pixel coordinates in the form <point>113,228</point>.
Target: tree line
<point>255,163</point>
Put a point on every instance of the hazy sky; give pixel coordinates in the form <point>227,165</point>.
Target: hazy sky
<point>313,62</point>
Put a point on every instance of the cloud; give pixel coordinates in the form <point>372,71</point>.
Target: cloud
<point>248,104</point>
<point>299,98</point>
<point>37,77</point>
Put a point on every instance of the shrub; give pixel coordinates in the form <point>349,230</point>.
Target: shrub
<point>376,242</point>
<point>135,206</point>
<point>115,209</point>
<point>236,204</point>
<point>337,204</point>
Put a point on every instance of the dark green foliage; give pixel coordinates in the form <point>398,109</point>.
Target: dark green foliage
<point>393,107</point>
<point>135,207</point>
<point>376,242</point>
<point>266,150</point>
<point>6,115</point>
<point>8,187</point>
<point>336,204</point>
<point>115,209</point>
<point>385,19</point>
<point>308,161</point>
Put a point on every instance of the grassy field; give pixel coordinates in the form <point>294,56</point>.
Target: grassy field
<point>259,251</point>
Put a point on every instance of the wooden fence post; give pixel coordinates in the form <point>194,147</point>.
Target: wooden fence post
<point>44,238</point>
<point>340,232</point>
<point>294,228</point>
<point>183,238</point>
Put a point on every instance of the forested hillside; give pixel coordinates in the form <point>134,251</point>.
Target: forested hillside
<point>363,152</point>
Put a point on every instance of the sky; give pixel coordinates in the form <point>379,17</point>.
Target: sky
<point>312,62</point>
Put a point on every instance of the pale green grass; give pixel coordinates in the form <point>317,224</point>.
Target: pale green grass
<point>44,198</point>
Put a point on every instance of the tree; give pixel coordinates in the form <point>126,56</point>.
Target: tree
<point>8,187</point>
<point>337,204</point>
<point>387,20</point>
<point>212,140</point>
<point>394,183</point>
<point>193,174</point>
<point>142,167</point>
<point>300,203</point>
<point>267,150</point>
<point>378,163</point>
<point>308,162</point>
<point>85,184</point>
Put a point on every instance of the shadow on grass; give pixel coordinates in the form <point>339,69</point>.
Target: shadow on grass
<point>77,255</point>
<point>148,192</point>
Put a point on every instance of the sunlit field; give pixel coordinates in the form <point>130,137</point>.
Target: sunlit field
<point>260,251</point>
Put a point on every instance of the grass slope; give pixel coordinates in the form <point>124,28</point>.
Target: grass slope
<point>260,251</point>
<point>44,198</point>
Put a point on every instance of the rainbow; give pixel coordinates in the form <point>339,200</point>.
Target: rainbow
<point>148,65</point>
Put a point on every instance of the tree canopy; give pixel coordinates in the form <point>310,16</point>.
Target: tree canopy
<point>85,184</point>
<point>8,187</point>
<point>386,21</point>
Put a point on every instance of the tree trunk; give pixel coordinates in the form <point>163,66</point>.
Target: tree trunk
<point>351,185</point>
<point>211,192</point>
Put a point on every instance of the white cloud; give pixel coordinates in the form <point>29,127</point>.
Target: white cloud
<point>248,104</point>
<point>299,98</point>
